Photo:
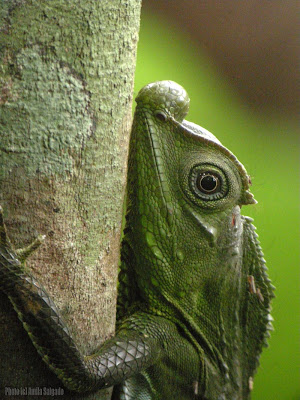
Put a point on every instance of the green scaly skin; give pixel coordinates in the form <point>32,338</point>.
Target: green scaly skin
<point>194,296</point>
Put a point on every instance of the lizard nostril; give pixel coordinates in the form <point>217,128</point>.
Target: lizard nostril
<point>161,116</point>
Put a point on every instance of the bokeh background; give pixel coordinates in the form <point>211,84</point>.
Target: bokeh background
<point>238,62</point>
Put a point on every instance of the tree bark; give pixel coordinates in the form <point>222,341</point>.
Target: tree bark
<point>66,81</point>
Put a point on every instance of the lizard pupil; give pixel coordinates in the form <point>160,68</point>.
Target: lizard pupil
<point>208,183</point>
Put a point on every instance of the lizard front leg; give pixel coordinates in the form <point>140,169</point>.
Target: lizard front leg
<point>117,359</point>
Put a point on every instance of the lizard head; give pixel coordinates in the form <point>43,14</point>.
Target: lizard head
<point>185,189</point>
<point>187,164</point>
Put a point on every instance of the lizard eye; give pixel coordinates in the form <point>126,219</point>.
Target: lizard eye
<point>161,116</point>
<point>208,182</point>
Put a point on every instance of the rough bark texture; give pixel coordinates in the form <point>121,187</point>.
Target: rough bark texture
<point>66,79</point>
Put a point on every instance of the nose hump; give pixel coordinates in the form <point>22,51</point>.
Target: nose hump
<point>165,95</point>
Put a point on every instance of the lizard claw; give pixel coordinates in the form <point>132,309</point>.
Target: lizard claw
<point>24,252</point>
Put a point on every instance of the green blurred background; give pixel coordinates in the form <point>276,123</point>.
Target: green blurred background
<point>259,125</point>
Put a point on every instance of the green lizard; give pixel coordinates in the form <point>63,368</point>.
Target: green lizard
<point>194,296</point>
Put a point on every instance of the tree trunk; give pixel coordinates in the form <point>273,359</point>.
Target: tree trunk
<point>66,80</point>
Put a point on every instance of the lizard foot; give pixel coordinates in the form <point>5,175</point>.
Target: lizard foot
<point>24,252</point>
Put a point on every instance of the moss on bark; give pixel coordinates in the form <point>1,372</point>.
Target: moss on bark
<point>66,79</point>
